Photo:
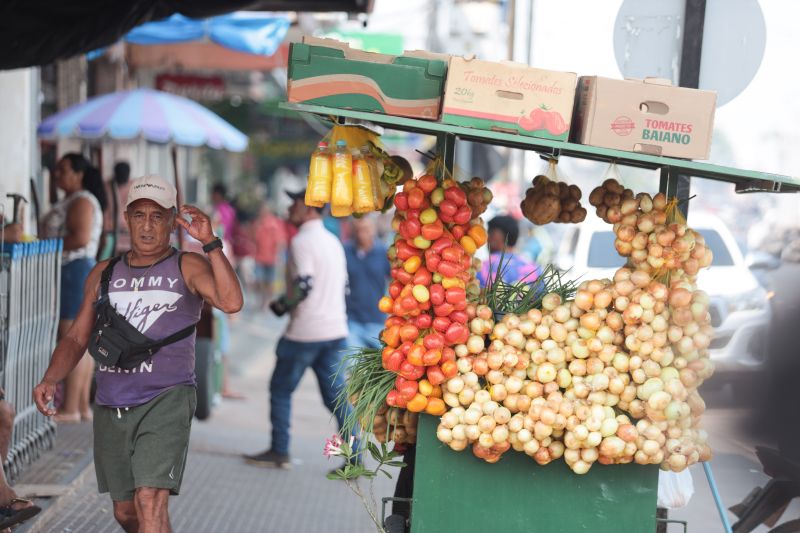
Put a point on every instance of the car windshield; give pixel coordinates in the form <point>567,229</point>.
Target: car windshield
<point>602,253</point>
<point>722,256</point>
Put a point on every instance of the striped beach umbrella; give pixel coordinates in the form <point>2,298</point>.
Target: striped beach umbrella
<point>148,114</point>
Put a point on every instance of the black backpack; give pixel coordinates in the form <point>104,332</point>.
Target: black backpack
<point>114,341</point>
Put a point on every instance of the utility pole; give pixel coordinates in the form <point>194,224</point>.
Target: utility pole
<point>694,17</point>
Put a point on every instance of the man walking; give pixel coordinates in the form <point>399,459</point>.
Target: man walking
<point>368,272</point>
<point>315,337</point>
<point>141,425</point>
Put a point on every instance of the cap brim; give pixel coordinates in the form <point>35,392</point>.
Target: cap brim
<point>165,205</point>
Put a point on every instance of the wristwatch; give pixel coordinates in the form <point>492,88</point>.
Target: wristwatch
<point>216,243</point>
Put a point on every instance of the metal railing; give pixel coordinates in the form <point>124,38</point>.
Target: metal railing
<point>29,310</point>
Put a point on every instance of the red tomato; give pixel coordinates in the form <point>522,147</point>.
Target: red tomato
<point>432,260</point>
<point>458,231</point>
<point>440,324</point>
<point>391,398</point>
<point>413,214</point>
<point>412,229</point>
<point>463,215</point>
<point>394,289</point>
<point>427,183</point>
<point>460,316</point>
<point>416,197</point>
<point>431,357</point>
<point>525,123</point>
<point>405,251</point>
<point>408,332</point>
<point>443,310</point>
<point>405,347</point>
<point>409,371</point>
<point>447,208</point>
<point>434,375</point>
<point>394,321</point>
<point>423,321</point>
<point>409,303</point>
<point>449,269</point>
<point>433,341</point>
<point>456,333</point>
<point>455,295</point>
<point>393,361</point>
<point>448,354</point>
<point>402,276</point>
<point>401,201</point>
<point>444,242</point>
<point>397,308</point>
<point>455,195</point>
<point>460,306</point>
<point>437,294</point>
<point>554,123</point>
<point>422,277</point>
<point>432,231</point>
<point>453,253</point>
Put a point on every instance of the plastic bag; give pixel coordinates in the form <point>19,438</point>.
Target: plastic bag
<point>675,489</point>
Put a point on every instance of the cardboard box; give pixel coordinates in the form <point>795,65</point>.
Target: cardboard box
<point>509,97</point>
<point>329,72</point>
<point>649,116</point>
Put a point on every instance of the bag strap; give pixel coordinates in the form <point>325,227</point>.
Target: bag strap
<point>105,277</point>
<point>175,337</point>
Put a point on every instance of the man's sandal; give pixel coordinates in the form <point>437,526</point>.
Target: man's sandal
<point>11,517</point>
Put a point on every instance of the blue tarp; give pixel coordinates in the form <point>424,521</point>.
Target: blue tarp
<point>249,32</point>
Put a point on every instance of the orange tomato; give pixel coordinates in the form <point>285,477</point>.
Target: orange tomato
<point>415,355</point>
<point>469,244</point>
<point>418,403</point>
<point>385,305</point>
<point>478,234</point>
<point>412,264</point>
<point>391,336</point>
<point>435,407</point>
<point>436,392</point>
<point>449,369</point>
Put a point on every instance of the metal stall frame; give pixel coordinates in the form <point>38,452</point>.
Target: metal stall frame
<point>675,174</point>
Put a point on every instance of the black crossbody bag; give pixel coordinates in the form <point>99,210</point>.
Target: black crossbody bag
<point>114,341</point>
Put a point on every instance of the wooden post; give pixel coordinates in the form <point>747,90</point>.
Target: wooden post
<point>178,190</point>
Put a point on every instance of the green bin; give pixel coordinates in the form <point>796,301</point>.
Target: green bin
<point>457,492</point>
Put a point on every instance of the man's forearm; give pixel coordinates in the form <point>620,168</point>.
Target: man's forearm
<point>229,291</point>
<point>65,357</point>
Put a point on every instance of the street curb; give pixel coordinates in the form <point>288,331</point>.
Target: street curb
<point>51,506</point>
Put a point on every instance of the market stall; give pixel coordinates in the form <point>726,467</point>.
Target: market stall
<point>570,396</point>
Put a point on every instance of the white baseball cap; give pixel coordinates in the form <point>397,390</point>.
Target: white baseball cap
<point>152,188</point>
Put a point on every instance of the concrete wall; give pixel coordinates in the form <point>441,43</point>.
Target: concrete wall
<point>19,159</point>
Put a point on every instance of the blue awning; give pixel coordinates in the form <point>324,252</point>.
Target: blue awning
<point>243,31</point>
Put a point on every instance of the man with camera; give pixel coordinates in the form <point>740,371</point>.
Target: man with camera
<point>138,319</point>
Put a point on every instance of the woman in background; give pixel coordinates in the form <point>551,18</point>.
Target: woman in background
<point>78,220</point>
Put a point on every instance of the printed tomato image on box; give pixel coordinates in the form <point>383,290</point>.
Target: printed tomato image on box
<point>649,116</point>
<point>509,97</point>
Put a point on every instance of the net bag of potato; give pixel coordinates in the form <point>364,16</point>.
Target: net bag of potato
<point>551,199</point>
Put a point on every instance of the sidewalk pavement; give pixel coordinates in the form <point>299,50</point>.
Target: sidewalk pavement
<point>221,493</point>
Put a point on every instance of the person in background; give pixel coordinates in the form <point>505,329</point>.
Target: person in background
<point>538,246</point>
<point>13,509</point>
<point>224,211</point>
<point>368,274</point>
<point>315,337</point>
<point>120,182</point>
<point>78,220</point>
<point>502,237</point>
<point>269,239</point>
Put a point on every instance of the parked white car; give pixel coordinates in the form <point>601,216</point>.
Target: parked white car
<point>740,311</point>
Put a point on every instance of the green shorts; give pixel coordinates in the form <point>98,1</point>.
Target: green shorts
<point>143,446</point>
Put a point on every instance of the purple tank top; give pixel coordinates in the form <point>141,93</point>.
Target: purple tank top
<point>158,303</point>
